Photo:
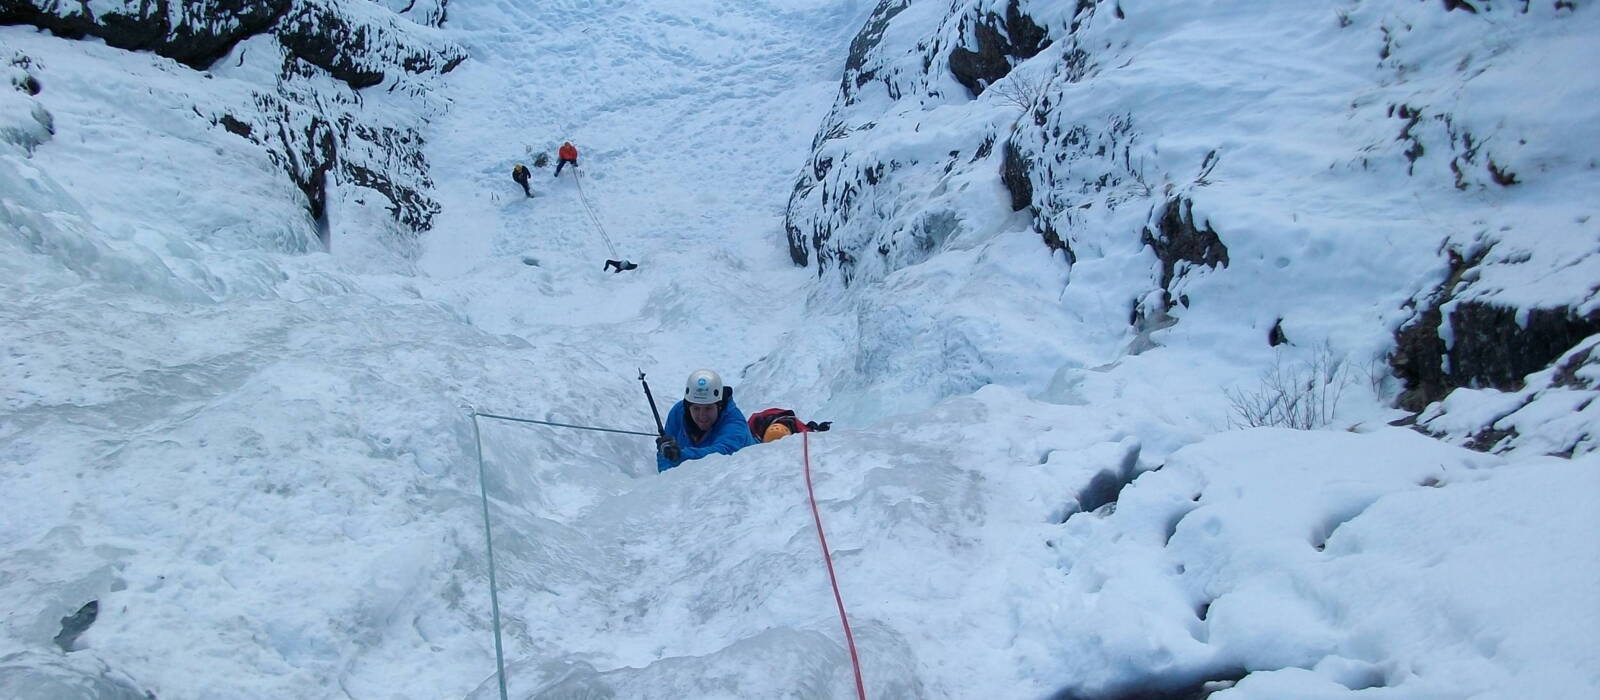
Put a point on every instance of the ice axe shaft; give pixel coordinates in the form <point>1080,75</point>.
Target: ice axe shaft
<point>660,429</point>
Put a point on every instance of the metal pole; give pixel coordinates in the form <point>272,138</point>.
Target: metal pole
<point>488,540</point>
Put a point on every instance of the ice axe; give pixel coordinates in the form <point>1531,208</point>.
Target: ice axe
<point>660,429</point>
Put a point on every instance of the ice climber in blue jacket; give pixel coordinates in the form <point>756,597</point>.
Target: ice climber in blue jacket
<point>713,424</point>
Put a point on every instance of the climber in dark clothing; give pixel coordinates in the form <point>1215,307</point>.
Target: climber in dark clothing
<point>520,174</point>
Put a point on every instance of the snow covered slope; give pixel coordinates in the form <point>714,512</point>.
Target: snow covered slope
<point>1406,183</point>
<point>254,454</point>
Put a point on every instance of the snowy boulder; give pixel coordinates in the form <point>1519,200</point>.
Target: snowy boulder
<point>194,33</point>
<point>23,121</point>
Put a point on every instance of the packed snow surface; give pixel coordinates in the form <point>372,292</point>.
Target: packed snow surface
<point>260,459</point>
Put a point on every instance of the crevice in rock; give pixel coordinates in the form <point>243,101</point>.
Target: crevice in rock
<point>1014,173</point>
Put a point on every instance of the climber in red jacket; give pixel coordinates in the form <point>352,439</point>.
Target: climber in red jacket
<point>567,154</point>
<point>777,423</point>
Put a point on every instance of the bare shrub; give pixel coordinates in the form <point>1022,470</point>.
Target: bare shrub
<point>1303,395</point>
<point>1021,90</point>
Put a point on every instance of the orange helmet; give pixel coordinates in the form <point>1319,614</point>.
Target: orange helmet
<point>776,431</point>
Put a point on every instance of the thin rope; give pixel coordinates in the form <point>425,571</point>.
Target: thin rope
<point>594,218</point>
<point>564,425</point>
<point>488,541</point>
<point>488,538</point>
<point>850,640</point>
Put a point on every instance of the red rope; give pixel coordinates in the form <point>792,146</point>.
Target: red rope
<point>850,640</point>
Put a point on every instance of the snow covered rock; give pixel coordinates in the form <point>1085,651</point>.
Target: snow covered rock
<point>1001,42</point>
<point>1245,192</point>
<point>320,132</point>
<point>23,121</point>
<point>360,44</point>
<point>194,33</point>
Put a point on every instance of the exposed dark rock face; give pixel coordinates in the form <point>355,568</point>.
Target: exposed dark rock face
<point>1001,43</point>
<point>193,32</point>
<point>1276,336</point>
<point>1177,240</point>
<point>1014,173</point>
<point>1555,405</point>
<point>1492,345</point>
<point>1490,349</point>
<point>234,126</point>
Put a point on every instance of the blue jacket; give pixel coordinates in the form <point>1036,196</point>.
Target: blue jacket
<point>727,436</point>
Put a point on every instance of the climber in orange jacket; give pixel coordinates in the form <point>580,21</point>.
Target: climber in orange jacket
<point>567,154</point>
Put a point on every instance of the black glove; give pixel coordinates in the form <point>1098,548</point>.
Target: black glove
<point>668,448</point>
<point>819,427</point>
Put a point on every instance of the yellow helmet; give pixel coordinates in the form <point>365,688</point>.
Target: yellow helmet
<point>776,431</point>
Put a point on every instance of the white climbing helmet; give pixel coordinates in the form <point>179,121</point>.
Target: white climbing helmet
<point>704,386</point>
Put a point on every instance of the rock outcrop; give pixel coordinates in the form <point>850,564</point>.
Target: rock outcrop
<point>317,135</point>
<point>1001,111</point>
<point>194,33</point>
